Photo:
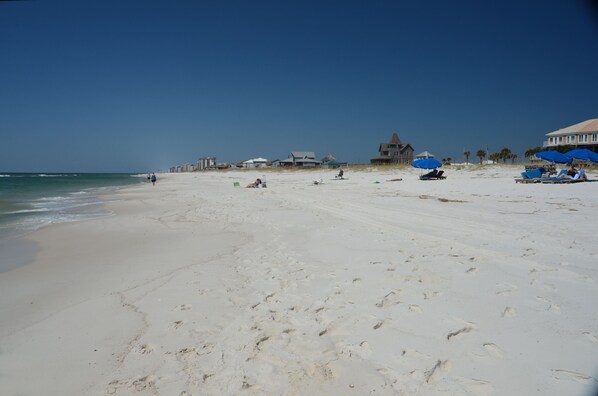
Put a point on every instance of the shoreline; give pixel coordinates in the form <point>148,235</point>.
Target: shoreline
<point>474,284</point>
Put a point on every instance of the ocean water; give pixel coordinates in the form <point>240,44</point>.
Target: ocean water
<point>29,201</point>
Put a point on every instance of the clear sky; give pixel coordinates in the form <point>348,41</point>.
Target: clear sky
<point>137,85</point>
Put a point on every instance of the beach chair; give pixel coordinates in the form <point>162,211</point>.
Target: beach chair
<point>579,177</point>
<point>531,176</point>
<point>434,175</point>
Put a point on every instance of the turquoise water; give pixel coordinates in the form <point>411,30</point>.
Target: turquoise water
<point>31,200</point>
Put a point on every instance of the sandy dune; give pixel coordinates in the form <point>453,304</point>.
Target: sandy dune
<point>474,285</point>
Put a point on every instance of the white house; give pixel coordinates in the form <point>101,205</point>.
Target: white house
<point>425,154</point>
<point>255,163</point>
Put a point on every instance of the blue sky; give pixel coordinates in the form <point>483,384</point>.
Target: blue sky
<point>142,85</point>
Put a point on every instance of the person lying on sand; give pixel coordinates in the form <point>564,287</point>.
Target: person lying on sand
<point>256,184</point>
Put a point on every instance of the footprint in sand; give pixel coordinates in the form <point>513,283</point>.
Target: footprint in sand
<point>572,375</point>
<point>183,307</point>
<point>472,270</point>
<point>260,343</point>
<point>392,298</point>
<point>590,336</point>
<point>504,292</point>
<point>476,386</point>
<point>175,325</point>
<point>144,349</point>
<point>428,295</point>
<point>554,308</point>
<point>509,312</point>
<point>415,308</point>
<point>414,354</point>
<point>138,385</point>
<point>184,352</point>
<point>441,367</point>
<point>457,333</point>
<point>505,289</point>
<point>353,351</point>
<point>269,296</point>
<point>493,350</point>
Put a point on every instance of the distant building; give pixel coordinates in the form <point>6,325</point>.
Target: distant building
<point>582,135</point>
<point>393,152</point>
<point>424,155</point>
<point>206,163</point>
<point>188,168</point>
<point>330,161</point>
<point>255,163</point>
<point>300,158</point>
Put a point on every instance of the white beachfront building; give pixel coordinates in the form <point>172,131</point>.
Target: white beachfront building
<point>424,155</point>
<point>255,163</point>
<point>206,163</point>
<point>582,135</point>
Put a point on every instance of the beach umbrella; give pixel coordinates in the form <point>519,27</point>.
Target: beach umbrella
<point>426,163</point>
<point>582,155</point>
<point>553,156</point>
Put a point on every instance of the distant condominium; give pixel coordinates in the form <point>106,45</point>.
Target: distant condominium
<point>582,135</point>
<point>206,163</point>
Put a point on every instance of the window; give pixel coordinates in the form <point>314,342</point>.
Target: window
<point>594,137</point>
<point>583,138</point>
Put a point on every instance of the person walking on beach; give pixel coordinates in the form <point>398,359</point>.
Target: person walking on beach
<point>148,178</point>
<point>153,179</point>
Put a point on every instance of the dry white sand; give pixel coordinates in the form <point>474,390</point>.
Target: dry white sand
<point>474,285</point>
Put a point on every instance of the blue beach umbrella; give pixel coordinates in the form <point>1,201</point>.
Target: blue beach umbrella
<point>582,155</point>
<point>426,163</point>
<point>553,156</point>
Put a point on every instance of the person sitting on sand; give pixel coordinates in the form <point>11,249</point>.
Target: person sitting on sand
<point>256,184</point>
<point>340,174</point>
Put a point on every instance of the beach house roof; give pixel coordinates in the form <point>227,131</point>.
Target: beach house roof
<point>329,157</point>
<point>424,154</point>
<point>584,127</point>
<point>303,154</point>
<point>255,160</point>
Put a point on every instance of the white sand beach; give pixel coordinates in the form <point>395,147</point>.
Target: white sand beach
<point>473,285</point>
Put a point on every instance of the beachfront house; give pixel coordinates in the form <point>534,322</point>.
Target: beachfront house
<point>301,158</point>
<point>255,163</point>
<point>424,155</point>
<point>330,161</point>
<point>582,135</point>
<point>393,152</point>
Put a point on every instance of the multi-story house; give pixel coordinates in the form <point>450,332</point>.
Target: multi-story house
<point>582,135</point>
<point>394,152</point>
